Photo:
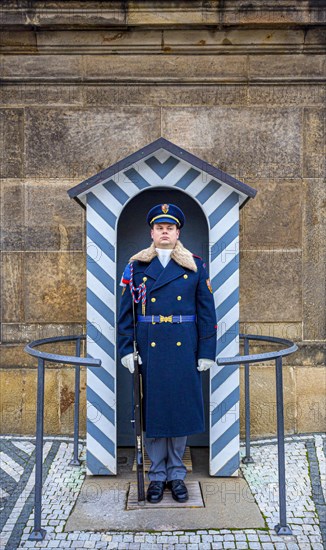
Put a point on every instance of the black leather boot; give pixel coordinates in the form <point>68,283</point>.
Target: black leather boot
<point>155,491</point>
<point>178,489</point>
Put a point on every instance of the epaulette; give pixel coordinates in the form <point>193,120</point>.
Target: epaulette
<point>201,259</point>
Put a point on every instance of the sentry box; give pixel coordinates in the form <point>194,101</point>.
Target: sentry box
<point>117,200</point>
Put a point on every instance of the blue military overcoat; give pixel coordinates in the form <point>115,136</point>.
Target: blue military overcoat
<point>172,389</point>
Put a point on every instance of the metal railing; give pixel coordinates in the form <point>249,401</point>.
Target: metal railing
<point>38,533</point>
<point>281,528</point>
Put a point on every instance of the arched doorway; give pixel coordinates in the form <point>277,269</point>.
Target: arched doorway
<point>132,236</point>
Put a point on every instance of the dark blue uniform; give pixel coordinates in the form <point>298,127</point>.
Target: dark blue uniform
<point>172,400</point>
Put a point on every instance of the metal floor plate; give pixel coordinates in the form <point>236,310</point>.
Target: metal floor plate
<point>195,498</point>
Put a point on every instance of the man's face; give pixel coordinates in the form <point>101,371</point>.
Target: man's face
<point>165,235</point>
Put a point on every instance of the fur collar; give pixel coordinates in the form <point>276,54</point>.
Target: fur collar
<point>180,255</point>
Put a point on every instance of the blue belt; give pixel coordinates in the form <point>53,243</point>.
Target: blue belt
<point>166,319</point>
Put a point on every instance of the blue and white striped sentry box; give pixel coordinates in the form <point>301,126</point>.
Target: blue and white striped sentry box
<point>104,195</point>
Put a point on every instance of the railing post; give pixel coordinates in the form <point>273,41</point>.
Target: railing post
<point>247,459</point>
<point>75,461</point>
<point>281,528</point>
<point>38,533</point>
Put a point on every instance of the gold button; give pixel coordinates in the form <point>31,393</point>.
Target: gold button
<point>185,276</point>
<point>153,344</point>
<point>153,299</point>
<point>144,279</point>
<point>179,298</point>
<point>178,343</point>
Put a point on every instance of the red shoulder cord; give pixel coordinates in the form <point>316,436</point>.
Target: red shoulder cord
<point>141,290</point>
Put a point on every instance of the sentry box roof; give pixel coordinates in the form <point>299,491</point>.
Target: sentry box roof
<point>161,157</point>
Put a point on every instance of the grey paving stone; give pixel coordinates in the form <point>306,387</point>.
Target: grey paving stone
<point>262,478</point>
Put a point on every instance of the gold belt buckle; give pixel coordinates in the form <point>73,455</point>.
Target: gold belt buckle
<point>168,319</point>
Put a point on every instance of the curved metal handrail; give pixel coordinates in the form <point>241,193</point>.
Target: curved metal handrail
<point>255,358</point>
<point>70,359</point>
<point>268,356</point>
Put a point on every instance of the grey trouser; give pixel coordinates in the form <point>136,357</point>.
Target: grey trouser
<point>165,454</point>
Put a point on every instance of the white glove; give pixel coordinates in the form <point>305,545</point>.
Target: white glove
<point>204,364</point>
<point>128,362</point>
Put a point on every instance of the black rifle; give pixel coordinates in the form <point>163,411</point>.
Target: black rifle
<point>138,424</point>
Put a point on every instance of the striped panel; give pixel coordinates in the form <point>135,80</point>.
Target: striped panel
<point>103,210</point>
<point>224,381</point>
<point>220,204</point>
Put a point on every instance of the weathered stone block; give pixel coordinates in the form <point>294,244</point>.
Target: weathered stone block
<point>274,219</point>
<point>289,330</point>
<point>311,399</point>
<point>314,259</point>
<point>284,12</point>
<point>314,140</point>
<point>166,95</point>
<point>11,215</point>
<point>52,220</point>
<point>71,143</point>
<point>162,14</point>
<point>48,67</point>
<point>231,37</point>
<point>270,286</point>
<point>285,94</point>
<point>11,391</point>
<point>11,143</point>
<point>26,332</point>
<point>40,94</point>
<point>13,355</point>
<point>54,287</point>
<point>51,400</point>
<point>15,40</point>
<point>18,403</point>
<point>43,287</point>
<point>163,68</point>
<point>287,66</point>
<point>104,40</point>
<point>315,35</point>
<point>11,279</point>
<point>245,142</point>
<point>67,400</point>
<point>39,216</point>
<point>263,406</point>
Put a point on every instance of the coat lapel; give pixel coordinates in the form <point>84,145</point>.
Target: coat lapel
<point>170,272</point>
<point>154,269</point>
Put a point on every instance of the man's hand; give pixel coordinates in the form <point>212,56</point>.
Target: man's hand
<point>204,364</point>
<point>128,362</point>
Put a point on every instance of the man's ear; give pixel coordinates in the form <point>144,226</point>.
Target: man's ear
<point>178,233</point>
<point>151,233</point>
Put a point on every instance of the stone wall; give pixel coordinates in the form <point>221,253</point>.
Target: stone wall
<point>241,85</point>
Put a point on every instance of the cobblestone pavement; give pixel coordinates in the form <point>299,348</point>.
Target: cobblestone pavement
<point>306,492</point>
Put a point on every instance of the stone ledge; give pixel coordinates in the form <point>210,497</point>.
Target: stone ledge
<point>163,13</point>
<point>171,41</point>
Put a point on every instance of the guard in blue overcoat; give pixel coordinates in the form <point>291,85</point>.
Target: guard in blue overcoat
<point>176,338</point>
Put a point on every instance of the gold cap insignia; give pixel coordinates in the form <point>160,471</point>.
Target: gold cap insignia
<point>165,208</point>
